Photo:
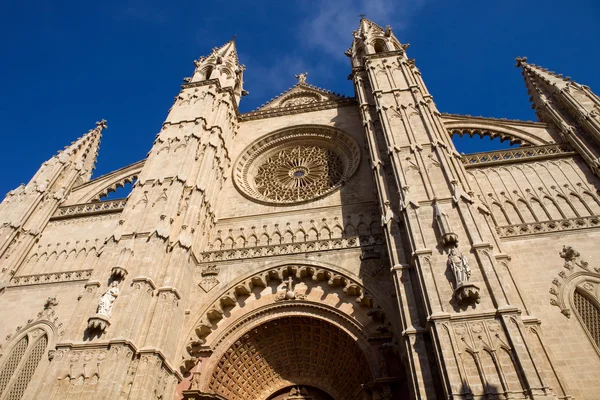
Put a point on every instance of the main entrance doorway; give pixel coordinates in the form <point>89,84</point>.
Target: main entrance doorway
<point>309,355</point>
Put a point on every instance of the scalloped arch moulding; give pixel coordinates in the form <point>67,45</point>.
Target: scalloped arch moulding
<point>296,165</point>
<point>289,290</point>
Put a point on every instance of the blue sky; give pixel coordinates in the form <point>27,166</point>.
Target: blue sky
<point>67,64</point>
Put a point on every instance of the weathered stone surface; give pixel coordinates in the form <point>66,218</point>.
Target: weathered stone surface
<point>318,247</point>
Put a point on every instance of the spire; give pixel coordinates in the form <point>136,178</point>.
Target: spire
<point>84,151</point>
<point>541,83</point>
<point>222,64</point>
<point>573,108</point>
<point>371,38</point>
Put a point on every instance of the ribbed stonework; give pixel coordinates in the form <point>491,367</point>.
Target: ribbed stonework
<point>319,247</point>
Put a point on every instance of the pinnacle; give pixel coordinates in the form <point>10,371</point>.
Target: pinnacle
<point>228,49</point>
<point>84,150</point>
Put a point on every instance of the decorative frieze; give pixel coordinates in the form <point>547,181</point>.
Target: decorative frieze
<point>97,207</point>
<point>536,228</point>
<point>528,153</point>
<point>54,277</point>
<point>291,248</point>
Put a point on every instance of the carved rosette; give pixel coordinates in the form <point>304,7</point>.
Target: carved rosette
<point>296,165</point>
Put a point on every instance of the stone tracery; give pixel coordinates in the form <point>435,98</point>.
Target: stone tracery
<point>296,165</point>
<point>299,173</point>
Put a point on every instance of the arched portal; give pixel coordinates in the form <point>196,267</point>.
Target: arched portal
<point>291,326</point>
<point>291,351</point>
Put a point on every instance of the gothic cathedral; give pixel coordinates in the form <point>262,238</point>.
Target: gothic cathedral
<point>320,247</point>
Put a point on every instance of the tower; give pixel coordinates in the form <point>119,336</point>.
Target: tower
<point>420,177</point>
<point>147,260</point>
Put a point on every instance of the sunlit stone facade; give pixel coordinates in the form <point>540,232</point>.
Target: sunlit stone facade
<point>319,247</point>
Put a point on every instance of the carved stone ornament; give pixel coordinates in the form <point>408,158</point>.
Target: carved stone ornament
<point>50,303</point>
<point>576,275</point>
<point>118,273</point>
<point>209,279</point>
<point>448,238</point>
<point>288,292</point>
<point>465,291</point>
<point>371,261</point>
<point>98,322</point>
<point>296,165</point>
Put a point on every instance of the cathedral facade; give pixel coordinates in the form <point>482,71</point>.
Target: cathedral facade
<point>320,247</point>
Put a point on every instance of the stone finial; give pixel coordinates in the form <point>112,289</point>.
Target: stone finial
<point>520,61</point>
<point>301,77</point>
<point>101,124</point>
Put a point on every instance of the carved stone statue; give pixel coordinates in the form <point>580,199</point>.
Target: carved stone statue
<point>108,298</point>
<point>460,267</point>
<point>464,291</point>
<point>302,77</point>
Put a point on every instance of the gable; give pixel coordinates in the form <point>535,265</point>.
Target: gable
<point>301,94</point>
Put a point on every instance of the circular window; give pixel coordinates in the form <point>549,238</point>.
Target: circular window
<point>296,165</point>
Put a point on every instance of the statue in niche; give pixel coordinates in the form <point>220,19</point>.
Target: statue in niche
<point>464,291</point>
<point>460,267</point>
<point>108,298</point>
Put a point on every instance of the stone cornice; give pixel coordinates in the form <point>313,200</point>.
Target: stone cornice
<point>70,346</point>
<point>538,228</point>
<point>52,277</point>
<point>385,54</point>
<point>277,112</point>
<point>87,209</point>
<point>219,89</point>
<point>289,248</point>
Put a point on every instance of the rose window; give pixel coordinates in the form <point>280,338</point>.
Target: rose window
<point>297,165</point>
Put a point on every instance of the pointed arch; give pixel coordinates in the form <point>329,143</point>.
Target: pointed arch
<point>552,208</point>
<point>579,204</point>
<point>538,210</point>
<point>512,213</point>
<point>565,206</point>
<point>27,357</point>
<point>499,215</point>
<point>592,201</point>
<point>379,45</point>
<point>525,211</point>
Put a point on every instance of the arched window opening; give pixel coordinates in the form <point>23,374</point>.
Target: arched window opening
<point>28,369</point>
<point>466,144</point>
<point>379,46</point>
<point>12,363</point>
<point>589,315</point>
<point>207,72</point>
<point>17,371</point>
